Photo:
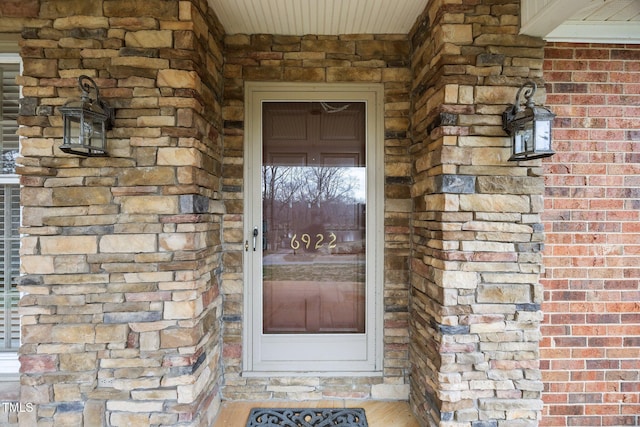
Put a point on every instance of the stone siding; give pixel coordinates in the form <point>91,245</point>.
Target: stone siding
<point>380,59</point>
<point>132,264</point>
<point>121,255</point>
<point>591,346</point>
<point>477,234</point>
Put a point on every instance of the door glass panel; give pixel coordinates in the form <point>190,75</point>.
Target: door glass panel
<point>314,206</point>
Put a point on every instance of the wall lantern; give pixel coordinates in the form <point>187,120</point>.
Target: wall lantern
<point>529,127</point>
<point>86,122</point>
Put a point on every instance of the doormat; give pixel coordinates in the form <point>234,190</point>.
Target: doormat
<point>307,417</point>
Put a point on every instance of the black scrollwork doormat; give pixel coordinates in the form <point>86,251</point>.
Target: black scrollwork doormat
<point>307,417</point>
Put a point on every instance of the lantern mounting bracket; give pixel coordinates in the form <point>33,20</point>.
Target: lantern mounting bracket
<point>528,89</point>
<point>86,84</point>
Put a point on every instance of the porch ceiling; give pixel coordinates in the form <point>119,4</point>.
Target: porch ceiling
<point>598,21</point>
<point>300,17</point>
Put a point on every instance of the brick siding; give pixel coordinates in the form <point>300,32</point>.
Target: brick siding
<point>591,346</point>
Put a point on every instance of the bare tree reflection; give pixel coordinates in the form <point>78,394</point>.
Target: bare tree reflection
<point>313,201</point>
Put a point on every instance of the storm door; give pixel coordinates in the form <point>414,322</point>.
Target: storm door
<point>311,242</point>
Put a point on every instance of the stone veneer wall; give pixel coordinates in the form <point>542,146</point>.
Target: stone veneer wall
<point>477,234</point>
<point>351,58</point>
<point>121,255</point>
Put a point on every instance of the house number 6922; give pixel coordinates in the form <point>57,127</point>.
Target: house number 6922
<point>315,242</point>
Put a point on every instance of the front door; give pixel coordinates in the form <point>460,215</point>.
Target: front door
<point>312,229</point>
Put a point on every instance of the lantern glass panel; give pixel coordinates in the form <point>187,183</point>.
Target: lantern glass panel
<point>543,135</point>
<point>523,139</point>
<point>91,132</point>
<point>72,130</point>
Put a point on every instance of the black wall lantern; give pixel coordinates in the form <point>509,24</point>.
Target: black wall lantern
<point>529,127</point>
<point>86,122</point>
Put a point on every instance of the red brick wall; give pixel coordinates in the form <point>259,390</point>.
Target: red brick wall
<point>591,332</point>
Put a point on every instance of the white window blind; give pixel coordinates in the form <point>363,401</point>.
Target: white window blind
<point>9,207</point>
<point>10,264</point>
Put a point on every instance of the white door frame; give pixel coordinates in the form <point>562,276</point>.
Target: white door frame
<point>366,349</point>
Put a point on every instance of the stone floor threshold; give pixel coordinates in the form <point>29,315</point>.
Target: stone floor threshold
<point>235,413</point>
<point>9,391</point>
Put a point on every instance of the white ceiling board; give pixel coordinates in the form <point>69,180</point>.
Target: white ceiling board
<point>539,17</point>
<point>582,21</point>
<point>619,10</point>
<point>300,17</point>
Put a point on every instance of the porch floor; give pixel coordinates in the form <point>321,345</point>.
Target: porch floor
<point>9,390</point>
<point>379,413</point>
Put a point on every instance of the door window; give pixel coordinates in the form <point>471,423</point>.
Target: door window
<point>314,208</point>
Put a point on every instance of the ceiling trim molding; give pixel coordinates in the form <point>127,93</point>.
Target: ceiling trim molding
<point>601,32</point>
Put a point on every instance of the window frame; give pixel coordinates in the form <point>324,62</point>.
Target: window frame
<point>9,363</point>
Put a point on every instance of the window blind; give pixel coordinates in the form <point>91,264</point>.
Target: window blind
<point>9,140</point>
<point>10,266</point>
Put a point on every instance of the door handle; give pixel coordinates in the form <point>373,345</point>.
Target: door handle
<point>255,237</point>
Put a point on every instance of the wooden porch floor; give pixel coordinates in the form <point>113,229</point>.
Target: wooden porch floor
<point>379,413</point>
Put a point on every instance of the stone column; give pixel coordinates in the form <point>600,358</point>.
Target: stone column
<point>476,226</point>
<point>121,255</point>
